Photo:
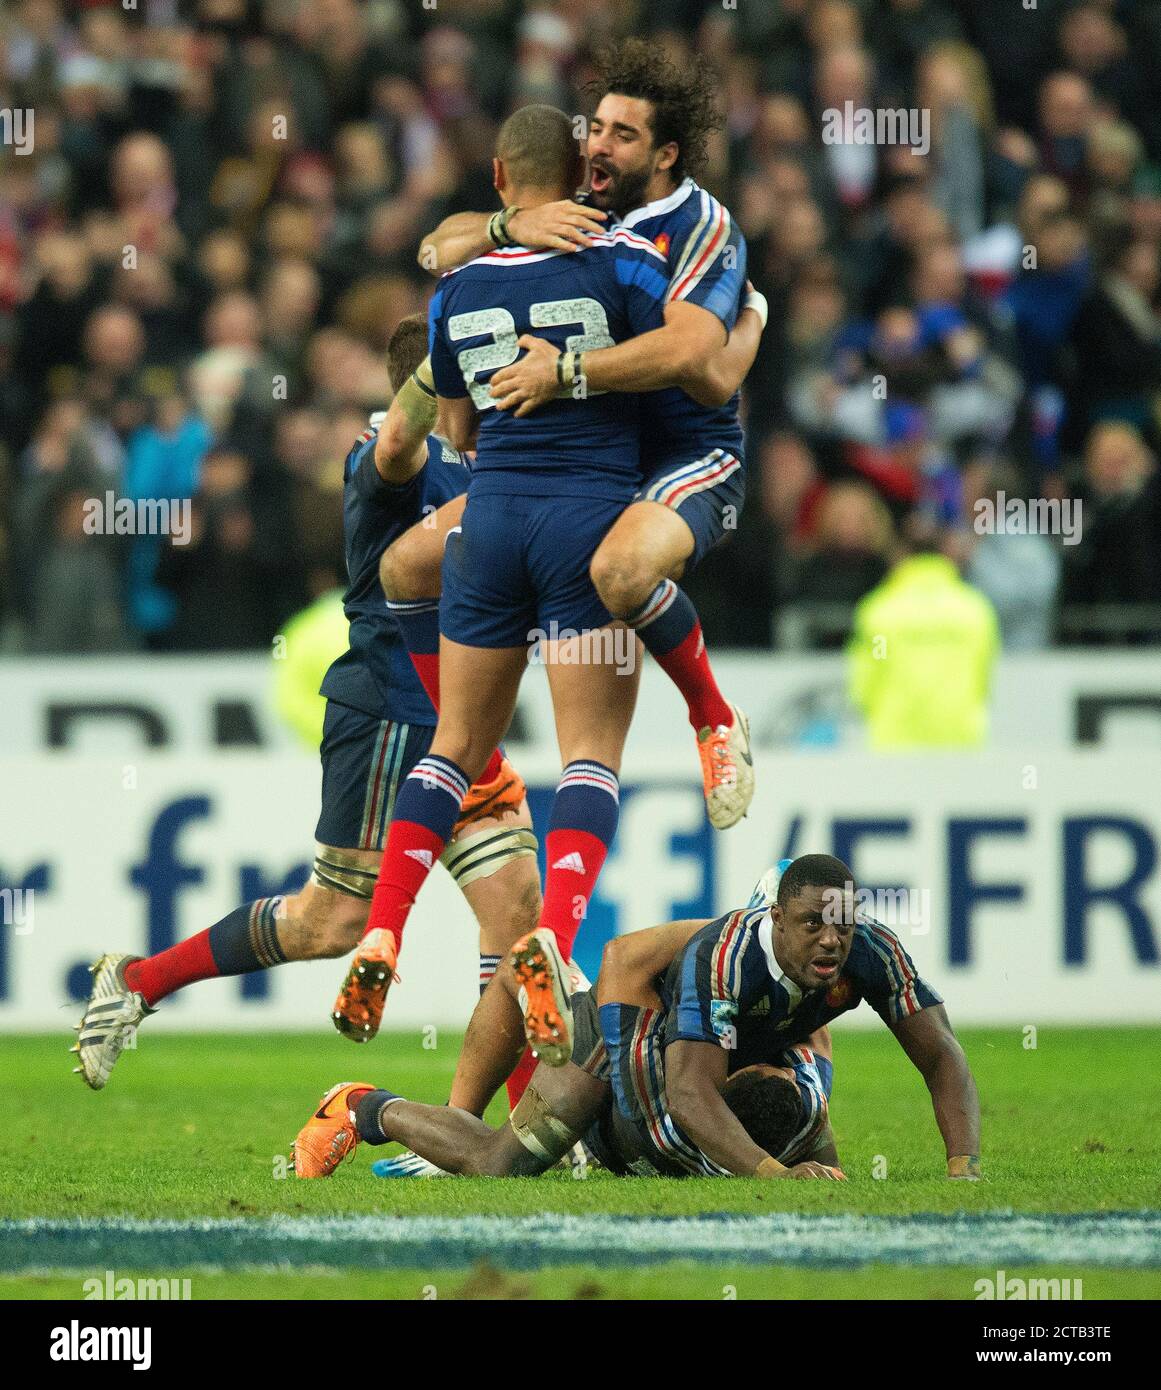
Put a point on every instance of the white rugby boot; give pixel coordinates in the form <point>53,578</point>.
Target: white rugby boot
<point>111,1019</point>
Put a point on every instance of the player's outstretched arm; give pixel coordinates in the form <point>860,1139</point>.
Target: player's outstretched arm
<point>401,447</point>
<point>695,1074</point>
<point>630,964</point>
<point>927,1039</point>
<point>559,226</point>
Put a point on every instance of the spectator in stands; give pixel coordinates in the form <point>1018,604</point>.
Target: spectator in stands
<point>1115,154</point>
<point>774,536</point>
<point>234,582</point>
<point>844,78</point>
<point>1066,115</point>
<point>163,461</point>
<point>953,86</point>
<point>76,601</point>
<point>115,384</point>
<point>1116,338</point>
<point>847,557</point>
<point>50,553</point>
<point>1018,571</point>
<point>1118,560</point>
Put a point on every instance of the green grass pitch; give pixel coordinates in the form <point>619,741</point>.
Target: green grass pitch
<point>195,1127</point>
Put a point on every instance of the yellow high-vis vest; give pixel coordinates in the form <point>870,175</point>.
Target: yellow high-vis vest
<point>921,658</point>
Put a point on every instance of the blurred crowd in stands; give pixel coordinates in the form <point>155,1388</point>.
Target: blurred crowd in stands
<point>213,232</point>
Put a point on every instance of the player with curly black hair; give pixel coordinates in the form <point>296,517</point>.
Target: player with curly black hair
<point>683,111</point>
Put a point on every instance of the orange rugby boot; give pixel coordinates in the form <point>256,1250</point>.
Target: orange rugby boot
<point>503,794</point>
<point>358,1010</point>
<point>329,1136</point>
<point>544,990</point>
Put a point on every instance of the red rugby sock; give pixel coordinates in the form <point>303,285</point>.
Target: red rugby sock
<point>183,964</point>
<point>575,859</point>
<point>688,667</point>
<point>521,1076</point>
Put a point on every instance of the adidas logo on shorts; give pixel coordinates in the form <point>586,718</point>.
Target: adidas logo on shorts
<point>571,861</point>
<point>422,855</point>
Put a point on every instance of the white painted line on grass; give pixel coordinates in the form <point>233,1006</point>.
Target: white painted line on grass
<point>995,1239</point>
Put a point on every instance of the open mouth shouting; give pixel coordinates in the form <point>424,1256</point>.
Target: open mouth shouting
<point>600,179</point>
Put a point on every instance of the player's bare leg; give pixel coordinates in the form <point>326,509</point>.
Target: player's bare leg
<point>555,1111</point>
<point>318,922</point>
<point>507,907</point>
<point>479,687</point>
<point>557,1108</point>
<point>494,1041</point>
<point>452,1141</point>
<point>635,570</point>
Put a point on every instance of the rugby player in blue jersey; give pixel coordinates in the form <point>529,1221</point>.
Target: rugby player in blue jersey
<point>378,725</point>
<point>544,491</point>
<point>682,1014</point>
<point>772,975</point>
<point>649,128</point>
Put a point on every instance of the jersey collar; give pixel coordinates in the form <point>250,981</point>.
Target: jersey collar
<point>660,205</point>
<point>777,974</point>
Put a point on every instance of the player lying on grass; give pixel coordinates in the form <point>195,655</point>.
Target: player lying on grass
<point>779,1107</point>
<point>379,724</point>
<point>733,993</point>
<point>650,127</point>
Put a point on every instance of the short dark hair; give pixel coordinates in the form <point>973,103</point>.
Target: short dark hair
<point>684,100</point>
<point>406,349</point>
<point>767,1107</point>
<point>539,148</point>
<point>813,871</point>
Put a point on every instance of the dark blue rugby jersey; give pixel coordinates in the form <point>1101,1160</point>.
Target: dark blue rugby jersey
<point>581,301</point>
<point>376,675</point>
<point>644,1137</point>
<point>706,257</point>
<point>727,987</point>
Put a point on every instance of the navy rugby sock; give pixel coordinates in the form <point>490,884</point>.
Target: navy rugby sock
<point>244,940</point>
<point>367,1116</point>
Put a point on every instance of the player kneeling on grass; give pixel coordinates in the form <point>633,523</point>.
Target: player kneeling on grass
<point>683,1008</point>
